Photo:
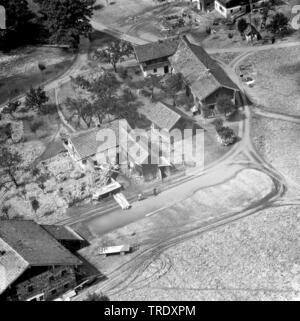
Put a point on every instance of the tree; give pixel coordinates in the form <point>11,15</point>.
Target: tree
<point>97,99</point>
<point>35,205</point>
<point>11,107</point>
<point>81,108</point>
<point>226,135</point>
<point>115,52</point>
<point>5,211</point>
<point>9,163</point>
<point>127,108</point>
<point>225,105</point>
<point>19,23</point>
<point>173,84</point>
<point>268,6</point>
<point>6,132</point>
<point>36,98</point>
<point>66,20</point>
<point>42,68</point>
<point>97,297</point>
<point>152,81</point>
<point>242,25</point>
<point>279,23</point>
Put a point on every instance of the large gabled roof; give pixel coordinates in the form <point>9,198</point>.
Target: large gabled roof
<point>34,244</point>
<point>163,116</point>
<point>12,265</point>
<point>62,233</point>
<point>87,143</point>
<point>203,74</point>
<point>156,50</point>
<point>24,244</point>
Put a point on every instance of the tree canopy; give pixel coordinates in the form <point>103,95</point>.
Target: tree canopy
<point>20,24</point>
<point>242,25</point>
<point>9,163</point>
<point>279,23</point>
<point>36,98</point>
<point>115,52</point>
<point>66,20</point>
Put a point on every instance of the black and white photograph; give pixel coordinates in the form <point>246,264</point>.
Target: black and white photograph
<point>149,152</point>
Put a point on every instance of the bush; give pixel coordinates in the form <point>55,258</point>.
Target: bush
<point>123,72</point>
<point>226,136</point>
<point>48,109</point>
<point>218,123</point>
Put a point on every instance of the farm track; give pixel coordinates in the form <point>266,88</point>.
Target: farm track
<point>128,276</point>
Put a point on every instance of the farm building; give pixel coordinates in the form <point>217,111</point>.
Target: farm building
<point>233,8</point>
<point>204,76</point>
<point>38,263</point>
<point>153,57</point>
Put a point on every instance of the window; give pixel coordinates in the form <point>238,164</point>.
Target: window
<point>53,292</point>
<point>66,285</point>
<point>30,288</point>
<point>154,70</point>
<point>63,272</point>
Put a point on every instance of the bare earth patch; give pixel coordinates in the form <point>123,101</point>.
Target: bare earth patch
<point>19,70</point>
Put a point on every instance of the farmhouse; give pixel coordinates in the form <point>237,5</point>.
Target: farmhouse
<point>233,8</point>
<point>153,57</point>
<point>204,77</point>
<point>86,146</point>
<point>204,5</point>
<point>165,118</point>
<point>37,262</point>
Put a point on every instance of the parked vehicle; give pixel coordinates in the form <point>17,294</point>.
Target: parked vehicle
<point>116,249</point>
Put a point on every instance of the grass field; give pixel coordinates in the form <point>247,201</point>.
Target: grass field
<point>19,70</point>
<point>278,142</point>
<point>256,258</point>
<point>277,76</point>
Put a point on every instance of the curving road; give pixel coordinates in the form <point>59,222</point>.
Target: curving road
<point>242,156</point>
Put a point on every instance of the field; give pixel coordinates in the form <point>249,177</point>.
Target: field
<point>277,76</point>
<point>256,258</point>
<point>278,142</point>
<point>119,10</point>
<point>149,235</point>
<point>19,69</point>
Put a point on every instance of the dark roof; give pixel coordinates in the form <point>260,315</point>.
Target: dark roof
<point>86,143</point>
<point>203,74</point>
<point>62,233</point>
<point>34,244</point>
<point>162,115</point>
<point>234,3</point>
<point>156,50</point>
